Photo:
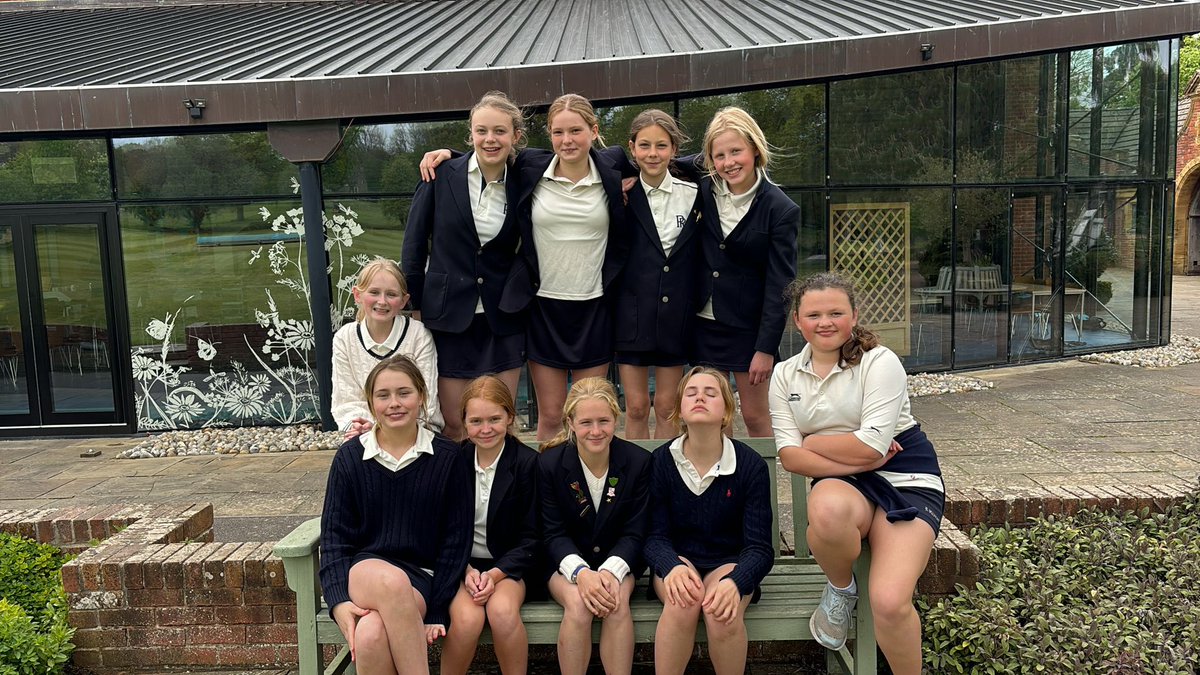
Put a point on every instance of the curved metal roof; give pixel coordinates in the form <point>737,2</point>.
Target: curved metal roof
<point>105,66</point>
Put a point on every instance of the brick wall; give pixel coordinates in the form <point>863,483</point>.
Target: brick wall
<point>158,592</point>
<point>1187,177</point>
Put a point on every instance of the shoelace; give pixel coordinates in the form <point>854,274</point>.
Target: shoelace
<point>839,607</point>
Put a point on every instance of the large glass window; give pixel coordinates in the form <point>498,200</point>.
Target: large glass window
<point>219,319</point>
<point>891,128</point>
<point>201,165</point>
<point>384,158</point>
<point>1005,120</point>
<point>897,246</point>
<point>1119,123</point>
<point>812,255</point>
<point>792,119</point>
<point>981,276</point>
<point>54,171</point>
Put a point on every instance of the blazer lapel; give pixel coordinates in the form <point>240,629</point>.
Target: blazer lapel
<point>503,479</point>
<point>461,193</point>
<point>574,482</point>
<point>613,488</point>
<point>639,203</point>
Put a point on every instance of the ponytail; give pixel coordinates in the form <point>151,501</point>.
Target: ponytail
<point>862,340</point>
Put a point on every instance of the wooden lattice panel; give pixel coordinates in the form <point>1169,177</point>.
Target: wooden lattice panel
<point>870,244</point>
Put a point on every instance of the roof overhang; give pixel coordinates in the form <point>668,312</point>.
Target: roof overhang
<point>255,101</point>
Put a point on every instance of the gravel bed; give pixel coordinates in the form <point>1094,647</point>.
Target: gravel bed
<point>932,384</point>
<point>1182,349</point>
<point>235,441</point>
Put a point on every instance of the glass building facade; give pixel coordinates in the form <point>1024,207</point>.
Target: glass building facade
<point>992,213</point>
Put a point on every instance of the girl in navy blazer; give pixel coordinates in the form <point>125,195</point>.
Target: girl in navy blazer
<point>656,298</point>
<point>748,230</point>
<point>505,536</point>
<point>593,490</point>
<point>459,246</point>
<point>573,244</point>
<point>709,544</point>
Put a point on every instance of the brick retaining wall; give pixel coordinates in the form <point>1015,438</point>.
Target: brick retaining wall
<point>158,592</point>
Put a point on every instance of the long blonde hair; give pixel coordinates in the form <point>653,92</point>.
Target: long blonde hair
<point>596,388</point>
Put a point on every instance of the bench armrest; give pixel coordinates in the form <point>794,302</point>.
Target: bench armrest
<point>301,541</point>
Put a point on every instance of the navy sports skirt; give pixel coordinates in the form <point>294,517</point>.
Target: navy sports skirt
<point>719,346</point>
<point>569,334</point>
<point>477,351</point>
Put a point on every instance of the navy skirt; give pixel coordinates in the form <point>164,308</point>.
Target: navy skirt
<point>719,346</point>
<point>569,334</point>
<point>421,582</point>
<point>477,351</point>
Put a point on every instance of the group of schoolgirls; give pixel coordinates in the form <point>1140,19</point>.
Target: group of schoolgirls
<point>685,272</point>
<point>516,255</point>
<point>424,538</point>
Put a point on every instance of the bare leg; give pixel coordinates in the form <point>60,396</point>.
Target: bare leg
<point>838,519</point>
<point>675,635</point>
<point>512,378</point>
<point>466,623</point>
<point>616,635</point>
<point>726,642</point>
<point>450,391</point>
<point>551,387</point>
<point>635,382</point>
<point>378,585</point>
<point>756,412</point>
<point>899,552</point>
<point>508,631</point>
<point>371,653</point>
<point>666,383</point>
<point>575,632</point>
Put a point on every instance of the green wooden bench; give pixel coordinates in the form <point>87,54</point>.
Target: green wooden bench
<point>790,595</point>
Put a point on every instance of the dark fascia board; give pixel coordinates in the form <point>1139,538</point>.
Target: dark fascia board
<point>106,108</point>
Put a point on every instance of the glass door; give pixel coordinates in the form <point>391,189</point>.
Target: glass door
<point>58,347</point>
<point>1036,291</point>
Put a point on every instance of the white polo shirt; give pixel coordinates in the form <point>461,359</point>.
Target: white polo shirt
<point>484,479</point>
<point>371,449</point>
<point>869,400</point>
<point>570,232</point>
<point>726,466</point>
<point>489,204</point>
<point>731,209</point>
<point>670,204</point>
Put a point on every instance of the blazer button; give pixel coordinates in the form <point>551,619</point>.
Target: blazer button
<point>722,246</point>
<point>716,274</point>
<point>665,299</point>
<point>479,280</point>
<point>595,549</point>
<point>666,268</point>
<point>479,252</point>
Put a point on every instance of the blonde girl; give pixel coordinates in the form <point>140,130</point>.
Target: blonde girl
<point>593,489</point>
<point>748,230</point>
<point>380,331</point>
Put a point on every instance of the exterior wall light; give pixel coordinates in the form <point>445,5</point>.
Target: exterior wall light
<point>195,107</point>
<point>926,51</point>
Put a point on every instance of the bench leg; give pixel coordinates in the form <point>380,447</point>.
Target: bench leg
<point>864,643</point>
<point>309,651</point>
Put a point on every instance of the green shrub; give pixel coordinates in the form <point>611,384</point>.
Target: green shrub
<point>34,635</point>
<point>1094,593</point>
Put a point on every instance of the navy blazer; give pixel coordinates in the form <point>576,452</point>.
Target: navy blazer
<point>447,269</point>
<point>573,524</point>
<point>512,517</point>
<point>656,297</point>
<point>746,273</point>
<point>523,281</point>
